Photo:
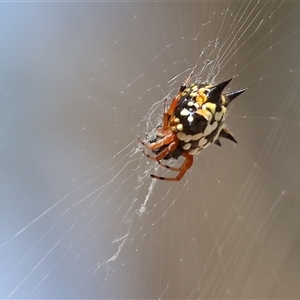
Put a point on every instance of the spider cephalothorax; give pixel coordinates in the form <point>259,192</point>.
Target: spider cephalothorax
<point>194,120</point>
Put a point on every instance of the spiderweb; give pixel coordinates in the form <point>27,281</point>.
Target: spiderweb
<point>81,218</point>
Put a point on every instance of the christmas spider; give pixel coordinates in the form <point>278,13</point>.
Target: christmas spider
<point>194,120</point>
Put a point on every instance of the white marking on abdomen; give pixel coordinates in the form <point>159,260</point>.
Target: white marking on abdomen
<point>187,146</point>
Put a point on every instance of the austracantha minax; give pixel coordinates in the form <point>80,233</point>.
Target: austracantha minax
<point>193,121</point>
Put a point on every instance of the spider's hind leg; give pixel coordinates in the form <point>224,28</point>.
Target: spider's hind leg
<point>164,152</point>
<point>182,169</point>
<point>169,167</point>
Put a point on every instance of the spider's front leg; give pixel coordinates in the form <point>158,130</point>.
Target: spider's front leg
<point>162,154</point>
<point>177,98</point>
<point>170,140</point>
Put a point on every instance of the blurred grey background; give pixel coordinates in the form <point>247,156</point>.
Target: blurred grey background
<point>78,84</point>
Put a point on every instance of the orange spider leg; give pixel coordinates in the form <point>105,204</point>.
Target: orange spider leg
<point>167,139</point>
<point>182,170</point>
<point>168,113</point>
<point>172,144</point>
<point>166,117</point>
<point>176,99</point>
<point>161,155</point>
<point>166,166</point>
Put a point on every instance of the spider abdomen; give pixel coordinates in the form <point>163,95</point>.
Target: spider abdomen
<point>199,120</point>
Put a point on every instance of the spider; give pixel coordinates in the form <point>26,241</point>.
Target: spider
<point>193,121</point>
